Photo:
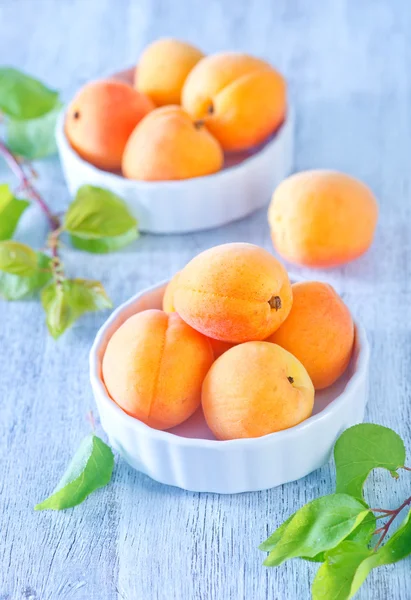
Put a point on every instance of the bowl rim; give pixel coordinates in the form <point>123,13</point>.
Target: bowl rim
<point>64,146</point>
<point>166,436</point>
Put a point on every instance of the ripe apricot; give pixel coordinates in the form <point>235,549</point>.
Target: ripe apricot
<point>101,118</point>
<point>234,293</point>
<point>241,99</point>
<point>163,69</point>
<point>319,331</point>
<point>322,218</point>
<point>167,145</point>
<point>218,346</point>
<point>154,366</point>
<point>254,389</point>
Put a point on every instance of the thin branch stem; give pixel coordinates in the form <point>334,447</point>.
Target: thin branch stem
<point>26,185</point>
<point>394,514</point>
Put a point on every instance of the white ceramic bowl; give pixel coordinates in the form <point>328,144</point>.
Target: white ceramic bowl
<point>189,457</point>
<point>192,204</point>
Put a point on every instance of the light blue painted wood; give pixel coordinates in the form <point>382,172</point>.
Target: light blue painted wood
<point>348,64</point>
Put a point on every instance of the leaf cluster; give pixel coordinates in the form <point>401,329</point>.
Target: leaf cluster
<point>338,530</point>
<point>31,110</point>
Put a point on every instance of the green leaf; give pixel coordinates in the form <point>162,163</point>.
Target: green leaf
<point>16,287</point>
<point>318,526</point>
<point>347,566</point>
<point>11,209</point>
<point>23,97</point>
<point>98,213</point>
<point>34,138</point>
<point>17,258</point>
<point>104,244</point>
<point>90,469</point>
<point>66,301</point>
<point>334,578</point>
<point>397,548</point>
<point>362,448</point>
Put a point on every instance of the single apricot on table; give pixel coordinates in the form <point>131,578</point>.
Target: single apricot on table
<point>168,145</point>
<point>319,331</point>
<point>234,293</point>
<point>255,389</point>
<point>154,366</point>
<point>218,346</point>
<point>101,118</point>
<point>322,218</point>
<point>241,99</point>
<point>163,69</point>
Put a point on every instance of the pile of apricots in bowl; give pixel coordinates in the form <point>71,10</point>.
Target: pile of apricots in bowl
<point>235,337</point>
<point>184,114</point>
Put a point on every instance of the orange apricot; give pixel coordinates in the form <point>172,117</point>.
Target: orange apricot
<point>154,366</point>
<point>101,118</point>
<point>241,99</point>
<point>234,293</point>
<point>218,346</point>
<point>322,218</point>
<point>255,389</point>
<point>163,69</point>
<point>319,331</point>
<point>167,145</point>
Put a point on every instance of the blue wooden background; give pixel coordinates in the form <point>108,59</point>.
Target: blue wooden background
<point>349,68</point>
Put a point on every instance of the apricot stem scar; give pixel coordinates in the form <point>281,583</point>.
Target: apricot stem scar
<point>290,379</point>
<point>76,114</point>
<point>275,302</point>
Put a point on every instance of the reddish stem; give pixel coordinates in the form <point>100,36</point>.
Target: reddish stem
<point>394,514</point>
<point>25,184</point>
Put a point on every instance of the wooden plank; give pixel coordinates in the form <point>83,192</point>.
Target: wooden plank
<point>348,67</point>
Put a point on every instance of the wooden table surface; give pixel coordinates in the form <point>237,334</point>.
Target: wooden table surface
<point>348,65</point>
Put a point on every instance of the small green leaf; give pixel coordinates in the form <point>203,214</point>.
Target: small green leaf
<point>88,296</point>
<point>16,287</point>
<point>23,97</point>
<point>59,313</point>
<point>17,258</point>
<point>397,548</point>
<point>318,526</point>
<point>90,469</point>
<point>105,244</point>
<point>67,301</point>
<point>335,577</point>
<point>98,213</point>
<point>362,448</point>
<point>34,138</point>
<point>11,209</point>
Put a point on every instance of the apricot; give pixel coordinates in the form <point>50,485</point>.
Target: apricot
<point>254,389</point>
<point>319,331</point>
<point>218,346</point>
<point>322,218</point>
<point>163,69</point>
<point>234,293</point>
<point>167,145</point>
<point>241,99</point>
<point>154,366</point>
<point>101,118</point>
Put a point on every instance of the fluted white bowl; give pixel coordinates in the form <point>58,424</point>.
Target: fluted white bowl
<point>189,457</point>
<point>191,204</point>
